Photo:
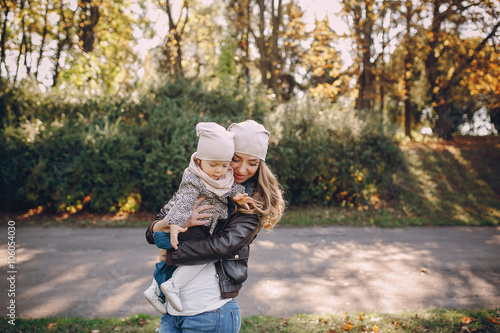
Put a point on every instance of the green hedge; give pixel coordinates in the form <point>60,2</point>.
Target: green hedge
<point>110,154</point>
<point>104,155</point>
<point>328,156</point>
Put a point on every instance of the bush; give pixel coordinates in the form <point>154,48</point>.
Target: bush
<point>327,156</point>
<point>113,154</point>
<point>168,137</point>
<point>105,154</point>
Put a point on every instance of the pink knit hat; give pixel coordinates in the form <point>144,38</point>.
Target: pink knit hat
<point>250,138</point>
<point>214,143</point>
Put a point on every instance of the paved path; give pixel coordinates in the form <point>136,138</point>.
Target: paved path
<point>103,272</point>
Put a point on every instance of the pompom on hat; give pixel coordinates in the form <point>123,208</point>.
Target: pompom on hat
<point>214,143</point>
<point>250,138</point>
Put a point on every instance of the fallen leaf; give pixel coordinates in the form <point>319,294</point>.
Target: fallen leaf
<point>348,327</point>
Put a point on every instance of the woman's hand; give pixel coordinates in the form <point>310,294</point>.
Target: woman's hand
<point>197,217</point>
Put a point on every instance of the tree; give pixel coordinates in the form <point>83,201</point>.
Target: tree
<point>362,15</point>
<point>371,32</point>
<point>448,17</point>
<point>323,63</point>
<point>6,8</point>
<point>172,48</point>
<point>406,68</point>
<point>38,37</point>
<point>408,65</point>
<point>483,81</point>
<point>88,19</point>
<point>238,12</point>
<point>63,39</point>
<point>277,31</point>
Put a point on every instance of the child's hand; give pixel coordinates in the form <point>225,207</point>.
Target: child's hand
<point>243,200</point>
<point>174,231</point>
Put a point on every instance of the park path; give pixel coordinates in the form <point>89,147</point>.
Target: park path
<point>103,272</point>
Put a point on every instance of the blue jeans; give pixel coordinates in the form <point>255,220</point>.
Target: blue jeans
<point>227,319</point>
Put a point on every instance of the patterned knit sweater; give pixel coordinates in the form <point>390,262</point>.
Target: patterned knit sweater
<point>190,189</point>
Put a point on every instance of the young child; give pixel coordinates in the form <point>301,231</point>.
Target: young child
<point>208,176</point>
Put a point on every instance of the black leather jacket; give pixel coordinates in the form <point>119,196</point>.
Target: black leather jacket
<point>229,245</point>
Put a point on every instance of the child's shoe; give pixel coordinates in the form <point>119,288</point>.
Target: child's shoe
<point>151,295</point>
<point>172,294</point>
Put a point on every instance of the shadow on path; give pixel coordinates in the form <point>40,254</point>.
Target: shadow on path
<point>103,272</point>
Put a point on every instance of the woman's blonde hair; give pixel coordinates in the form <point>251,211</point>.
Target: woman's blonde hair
<point>268,198</point>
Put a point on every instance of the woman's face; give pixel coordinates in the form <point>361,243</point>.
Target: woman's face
<point>244,166</point>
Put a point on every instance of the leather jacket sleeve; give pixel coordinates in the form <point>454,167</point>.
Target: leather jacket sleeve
<point>160,216</point>
<point>229,241</point>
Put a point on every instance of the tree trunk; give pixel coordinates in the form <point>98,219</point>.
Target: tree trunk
<point>23,41</point>
<point>4,35</point>
<point>87,35</point>
<point>176,31</point>
<point>42,44</point>
<point>61,43</point>
<point>408,71</point>
<point>363,25</point>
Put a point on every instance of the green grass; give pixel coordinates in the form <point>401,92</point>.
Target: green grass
<point>83,220</point>
<point>452,183</point>
<point>420,321</point>
<point>443,184</point>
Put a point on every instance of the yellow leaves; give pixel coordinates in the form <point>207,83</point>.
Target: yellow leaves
<point>451,70</point>
<point>51,325</point>
<point>465,324</point>
<point>325,90</point>
<point>348,326</point>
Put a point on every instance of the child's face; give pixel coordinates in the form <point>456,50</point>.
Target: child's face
<point>215,169</point>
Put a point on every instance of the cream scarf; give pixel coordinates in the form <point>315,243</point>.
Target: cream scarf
<point>220,186</point>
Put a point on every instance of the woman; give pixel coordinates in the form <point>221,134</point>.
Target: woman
<point>208,300</point>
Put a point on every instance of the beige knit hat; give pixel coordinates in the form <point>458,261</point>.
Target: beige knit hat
<point>250,138</point>
<point>214,143</point>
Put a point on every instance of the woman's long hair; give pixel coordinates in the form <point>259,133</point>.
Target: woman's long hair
<point>268,198</point>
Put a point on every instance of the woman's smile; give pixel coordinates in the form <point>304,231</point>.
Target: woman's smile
<point>238,176</point>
